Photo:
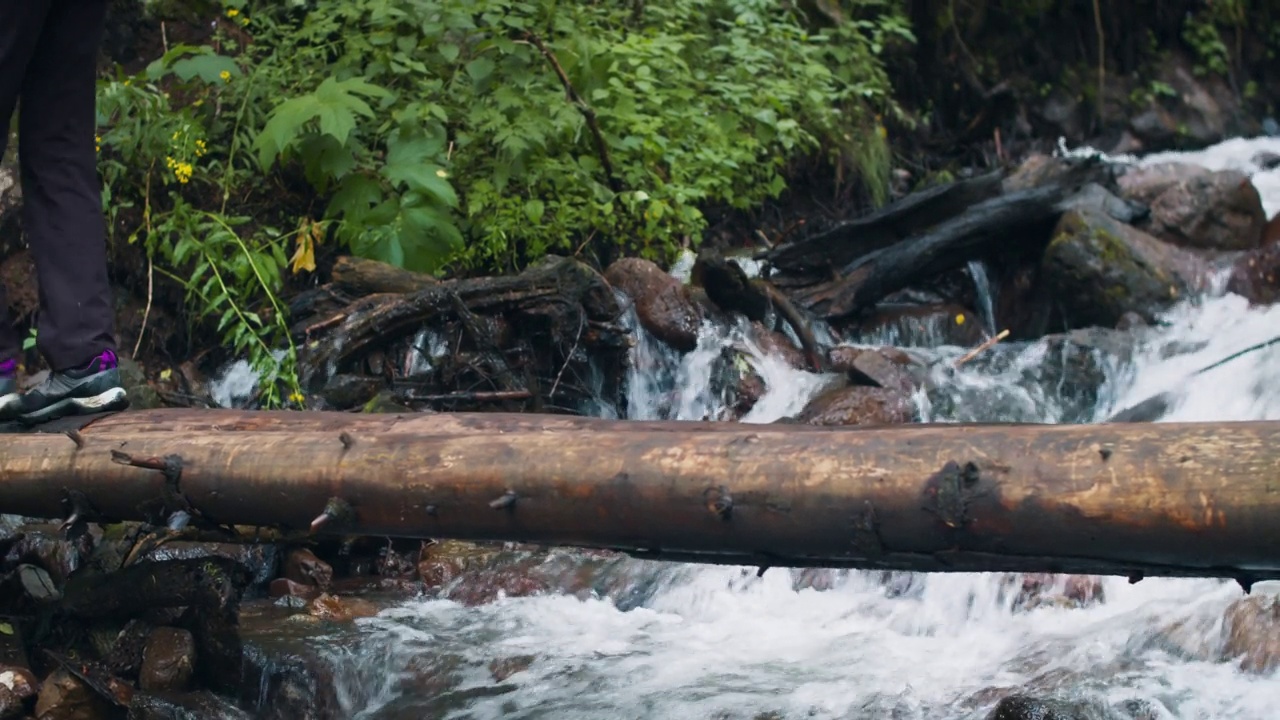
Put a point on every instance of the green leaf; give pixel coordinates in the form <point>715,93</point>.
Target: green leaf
<point>448,52</point>
<point>480,69</point>
<point>208,68</point>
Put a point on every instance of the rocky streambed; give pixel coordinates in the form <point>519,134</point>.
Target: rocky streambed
<point>1128,282</point>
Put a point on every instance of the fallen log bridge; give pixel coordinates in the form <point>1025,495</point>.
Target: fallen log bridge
<point>1196,500</point>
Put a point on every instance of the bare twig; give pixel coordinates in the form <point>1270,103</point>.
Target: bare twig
<point>602,149</point>
<point>479,396</point>
<point>569,357</point>
<point>981,348</point>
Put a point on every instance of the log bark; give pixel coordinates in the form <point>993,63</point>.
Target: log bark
<point>362,276</point>
<point>1129,499</point>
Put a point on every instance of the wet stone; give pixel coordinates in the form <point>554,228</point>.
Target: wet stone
<point>302,566</point>
<point>859,405</point>
<point>262,559</point>
<point>1252,630</point>
<point>201,705</point>
<point>168,661</point>
<point>17,687</point>
<point>65,697</point>
<point>502,668</point>
<point>662,304</point>
<point>284,587</point>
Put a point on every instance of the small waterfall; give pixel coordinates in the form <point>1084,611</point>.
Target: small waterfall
<point>985,295</point>
<point>645,639</point>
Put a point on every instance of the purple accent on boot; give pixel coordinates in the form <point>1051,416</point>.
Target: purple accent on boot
<point>106,360</point>
<point>8,368</point>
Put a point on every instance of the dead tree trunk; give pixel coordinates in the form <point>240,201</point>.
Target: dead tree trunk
<point>1146,499</point>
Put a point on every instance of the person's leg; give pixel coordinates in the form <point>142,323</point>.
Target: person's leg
<point>62,215</point>
<point>20,24</point>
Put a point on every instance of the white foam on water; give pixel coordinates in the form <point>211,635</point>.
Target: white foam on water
<point>717,642</point>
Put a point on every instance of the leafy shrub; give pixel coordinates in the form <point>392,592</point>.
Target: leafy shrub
<point>477,135</point>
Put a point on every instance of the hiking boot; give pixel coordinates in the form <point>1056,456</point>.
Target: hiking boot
<point>93,388</point>
<point>10,401</point>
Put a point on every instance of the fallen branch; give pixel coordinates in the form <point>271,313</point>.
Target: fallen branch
<point>588,113</point>
<point>986,345</point>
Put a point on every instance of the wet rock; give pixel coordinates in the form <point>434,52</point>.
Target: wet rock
<point>481,588</point>
<point>662,305</point>
<point>443,562</point>
<point>1047,589</point>
<point>345,391</point>
<point>751,387</point>
<point>1266,160</point>
<point>302,566</point>
<point>336,609</point>
<point>1024,707</point>
<point>1255,275</point>
<point>777,344</point>
<point>882,367</point>
<point>1200,110</point>
<point>858,405</point>
<point>1252,630</point>
<point>285,674</point>
<point>392,563</point>
<point>17,687</point>
<point>1197,208</point>
<point>134,379</point>
<point>168,661</point>
<point>284,587</point>
<point>1271,233</point>
<point>502,668</point>
<point>42,547</point>
<point>125,656</point>
<point>65,697</point>
<point>1097,269</point>
<point>201,705</point>
<point>922,325</point>
<point>261,559</point>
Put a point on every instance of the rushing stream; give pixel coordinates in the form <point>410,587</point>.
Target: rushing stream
<point>654,640</point>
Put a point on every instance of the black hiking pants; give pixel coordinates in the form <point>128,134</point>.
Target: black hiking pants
<point>48,63</point>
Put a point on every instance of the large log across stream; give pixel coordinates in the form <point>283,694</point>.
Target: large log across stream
<point>1129,499</point>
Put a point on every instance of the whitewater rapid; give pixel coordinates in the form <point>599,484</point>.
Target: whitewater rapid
<point>719,643</point>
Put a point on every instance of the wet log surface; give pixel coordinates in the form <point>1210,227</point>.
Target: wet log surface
<point>1131,499</point>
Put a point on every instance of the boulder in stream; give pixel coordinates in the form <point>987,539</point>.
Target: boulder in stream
<point>662,305</point>
<point>1027,707</point>
<point>1097,269</point>
<point>168,661</point>
<point>1255,275</point>
<point>1252,630</point>
<point>1198,208</point>
<point>885,367</point>
<point>858,405</point>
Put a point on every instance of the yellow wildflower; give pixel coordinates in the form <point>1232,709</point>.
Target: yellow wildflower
<point>232,12</point>
<point>225,75</point>
<point>296,398</point>
<point>97,143</point>
<point>244,21</point>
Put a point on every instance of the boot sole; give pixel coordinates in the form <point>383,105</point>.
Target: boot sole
<point>10,407</point>
<point>113,399</point>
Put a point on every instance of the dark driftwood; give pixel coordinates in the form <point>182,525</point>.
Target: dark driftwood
<point>1001,222</point>
<point>557,285</point>
<point>366,277</point>
<point>841,245</point>
<point>1132,499</point>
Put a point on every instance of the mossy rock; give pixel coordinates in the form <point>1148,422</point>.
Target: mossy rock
<point>1098,269</point>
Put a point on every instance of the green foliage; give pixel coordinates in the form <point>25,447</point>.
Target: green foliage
<point>478,134</point>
